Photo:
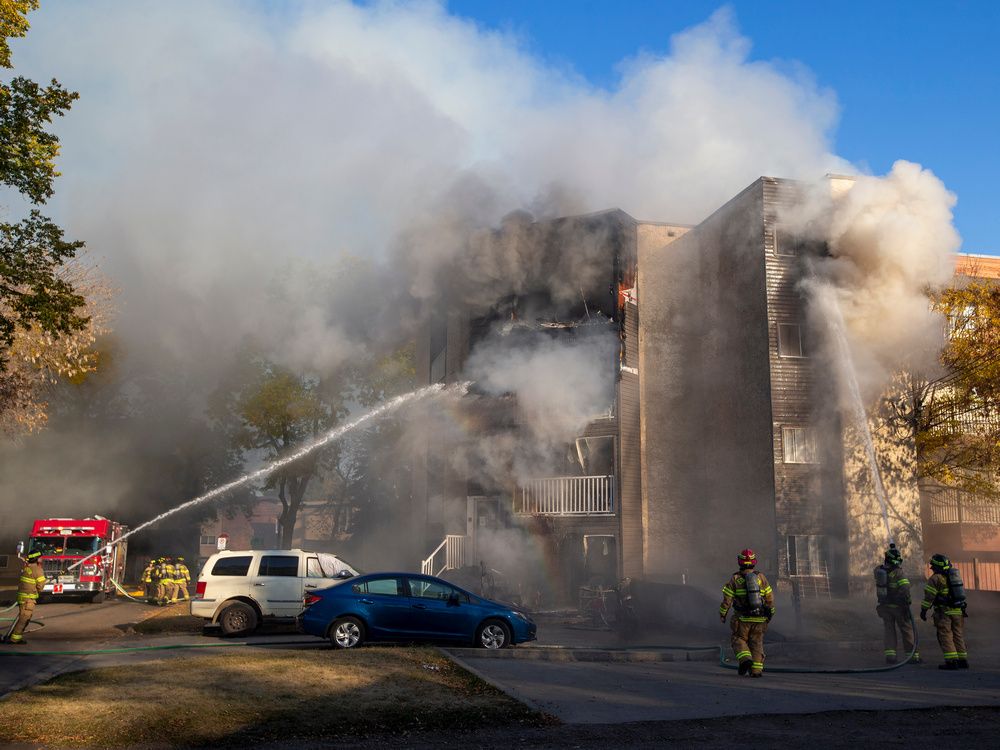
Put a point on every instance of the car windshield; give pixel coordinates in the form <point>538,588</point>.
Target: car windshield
<point>46,545</point>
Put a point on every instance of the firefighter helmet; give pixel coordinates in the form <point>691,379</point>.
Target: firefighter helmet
<point>747,558</point>
<point>33,555</point>
<point>940,563</point>
<point>893,556</point>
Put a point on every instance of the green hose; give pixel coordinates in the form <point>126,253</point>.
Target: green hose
<point>862,670</point>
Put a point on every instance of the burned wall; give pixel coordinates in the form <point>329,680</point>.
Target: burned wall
<point>707,459</point>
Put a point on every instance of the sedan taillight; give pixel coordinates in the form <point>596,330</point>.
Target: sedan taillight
<point>310,599</point>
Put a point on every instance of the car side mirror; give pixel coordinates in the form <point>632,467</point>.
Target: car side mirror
<point>20,548</point>
<point>453,600</point>
<point>344,575</point>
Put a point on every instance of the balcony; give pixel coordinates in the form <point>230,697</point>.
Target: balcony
<point>956,507</point>
<point>567,496</point>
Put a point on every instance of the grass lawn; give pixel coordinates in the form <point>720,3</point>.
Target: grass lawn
<point>170,621</point>
<point>247,695</point>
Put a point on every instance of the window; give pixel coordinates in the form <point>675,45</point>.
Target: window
<point>231,566</point>
<point>596,456</point>
<point>785,243</point>
<point>385,586</point>
<point>798,445</point>
<point>312,568</point>
<point>205,539</point>
<point>805,555</point>
<point>790,340</point>
<point>286,566</point>
<point>81,545</point>
<point>433,590</point>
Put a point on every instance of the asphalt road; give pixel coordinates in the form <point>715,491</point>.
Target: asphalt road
<point>609,692</point>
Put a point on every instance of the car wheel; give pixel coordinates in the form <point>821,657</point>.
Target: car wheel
<point>347,632</point>
<point>238,619</point>
<point>97,598</point>
<point>493,634</point>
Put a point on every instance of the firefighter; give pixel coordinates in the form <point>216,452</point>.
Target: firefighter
<point>169,581</point>
<point>160,578</point>
<point>30,586</point>
<point>182,577</point>
<point>892,592</point>
<point>945,592</point>
<point>147,580</point>
<point>752,599</point>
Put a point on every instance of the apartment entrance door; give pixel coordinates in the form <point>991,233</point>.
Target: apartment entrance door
<point>600,560</point>
<point>485,516</point>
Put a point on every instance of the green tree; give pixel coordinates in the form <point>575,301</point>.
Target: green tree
<point>955,417</point>
<point>32,291</point>
<point>276,412</point>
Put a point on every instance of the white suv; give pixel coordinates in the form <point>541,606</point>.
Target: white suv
<point>238,589</point>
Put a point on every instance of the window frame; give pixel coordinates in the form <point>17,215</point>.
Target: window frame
<point>802,349</point>
<point>203,543</point>
<point>806,430</point>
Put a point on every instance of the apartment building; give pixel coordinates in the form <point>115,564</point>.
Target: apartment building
<point>719,433</point>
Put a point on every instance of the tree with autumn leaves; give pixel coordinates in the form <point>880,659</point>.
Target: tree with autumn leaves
<point>52,308</point>
<point>955,417</point>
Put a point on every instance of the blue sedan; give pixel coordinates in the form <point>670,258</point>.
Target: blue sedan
<point>410,607</point>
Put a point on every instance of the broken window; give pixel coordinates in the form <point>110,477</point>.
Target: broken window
<point>798,445</point>
<point>596,456</point>
<point>790,340</point>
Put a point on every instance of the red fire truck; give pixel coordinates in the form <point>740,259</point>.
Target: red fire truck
<point>64,541</point>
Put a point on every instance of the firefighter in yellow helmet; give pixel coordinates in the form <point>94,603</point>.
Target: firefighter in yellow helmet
<point>31,584</point>
<point>170,580</point>
<point>892,592</point>
<point>182,577</point>
<point>945,592</point>
<point>160,579</point>
<point>148,589</point>
<point>752,598</point>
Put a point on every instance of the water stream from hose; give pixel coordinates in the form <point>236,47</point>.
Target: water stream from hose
<point>332,436</point>
<point>857,406</point>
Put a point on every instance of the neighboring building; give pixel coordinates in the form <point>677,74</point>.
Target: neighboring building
<point>719,435</point>
<point>259,530</point>
<point>959,524</point>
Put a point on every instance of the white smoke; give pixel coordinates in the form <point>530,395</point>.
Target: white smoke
<point>213,144</point>
<point>891,241</point>
<point>561,385</point>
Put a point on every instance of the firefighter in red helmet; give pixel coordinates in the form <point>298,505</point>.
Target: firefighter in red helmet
<point>752,599</point>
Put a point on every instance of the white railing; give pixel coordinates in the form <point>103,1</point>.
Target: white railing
<point>451,554</point>
<point>566,496</point>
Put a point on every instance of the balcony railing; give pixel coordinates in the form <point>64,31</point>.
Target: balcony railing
<point>566,496</point>
<point>952,507</point>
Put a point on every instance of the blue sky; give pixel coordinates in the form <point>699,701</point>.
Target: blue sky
<point>915,80</point>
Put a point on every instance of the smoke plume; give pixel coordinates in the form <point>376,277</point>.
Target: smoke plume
<point>317,177</point>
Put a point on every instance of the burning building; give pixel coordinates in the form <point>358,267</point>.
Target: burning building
<point>721,427</point>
